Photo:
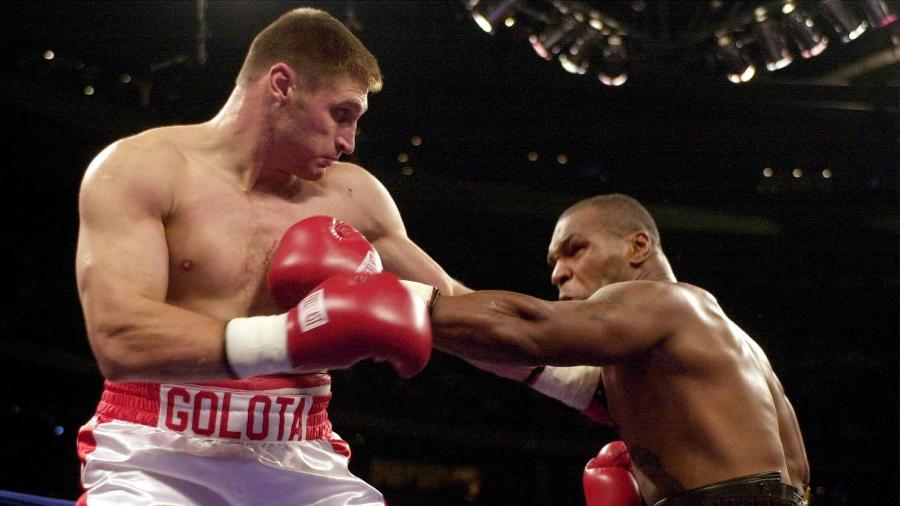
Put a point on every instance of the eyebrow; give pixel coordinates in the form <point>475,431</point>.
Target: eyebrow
<point>355,105</point>
<point>551,257</point>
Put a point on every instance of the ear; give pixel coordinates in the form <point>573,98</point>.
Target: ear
<point>640,247</point>
<point>281,79</point>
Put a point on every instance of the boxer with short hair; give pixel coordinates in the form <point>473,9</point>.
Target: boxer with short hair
<point>221,275</point>
<point>694,398</point>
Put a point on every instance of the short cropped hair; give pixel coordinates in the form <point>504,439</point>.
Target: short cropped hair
<point>316,45</point>
<point>620,215</point>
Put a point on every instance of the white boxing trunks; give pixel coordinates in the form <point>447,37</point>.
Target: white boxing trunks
<point>264,440</point>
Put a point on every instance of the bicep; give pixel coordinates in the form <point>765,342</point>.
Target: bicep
<point>122,250</point>
<point>384,228</point>
<point>407,260</point>
<point>511,328</point>
<point>611,326</point>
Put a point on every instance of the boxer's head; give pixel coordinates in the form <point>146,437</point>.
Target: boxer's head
<point>315,45</point>
<point>316,76</point>
<point>601,240</point>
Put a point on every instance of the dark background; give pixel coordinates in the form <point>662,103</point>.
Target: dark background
<point>807,265</point>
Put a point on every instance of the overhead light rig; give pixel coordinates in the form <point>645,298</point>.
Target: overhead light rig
<point>613,41</point>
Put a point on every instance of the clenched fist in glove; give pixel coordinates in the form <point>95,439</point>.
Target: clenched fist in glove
<point>311,251</point>
<point>608,480</point>
<point>347,318</point>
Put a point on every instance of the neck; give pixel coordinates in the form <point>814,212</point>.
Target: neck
<point>240,134</point>
<point>656,268</point>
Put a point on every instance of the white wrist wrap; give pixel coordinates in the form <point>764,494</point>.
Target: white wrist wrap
<point>425,293</point>
<point>257,345</point>
<point>573,386</point>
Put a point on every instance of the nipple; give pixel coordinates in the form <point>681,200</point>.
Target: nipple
<point>187,265</point>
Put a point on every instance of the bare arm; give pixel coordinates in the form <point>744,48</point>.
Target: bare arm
<point>122,272</point>
<point>381,223</point>
<point>406,259</point>
<point>617,322</point>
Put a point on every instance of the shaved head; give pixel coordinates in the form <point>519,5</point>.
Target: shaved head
<point>618,214</point>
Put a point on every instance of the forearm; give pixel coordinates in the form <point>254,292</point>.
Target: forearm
<point>486,326</point>
<point>407,260</point>
<point>155,341</point>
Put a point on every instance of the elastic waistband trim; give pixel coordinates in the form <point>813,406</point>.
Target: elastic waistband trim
<point>766,484</point>
<point>279,414</point>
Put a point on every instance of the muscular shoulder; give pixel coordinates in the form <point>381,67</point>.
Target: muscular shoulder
<point>149,153</point>
<point>677,305</point>
<point>663,294</point>
<point>373,210</point>
<point>701,330</point>
<point>353,179</point>
<point>141,168</point>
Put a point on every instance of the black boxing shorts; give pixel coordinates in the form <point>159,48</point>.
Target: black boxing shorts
<point>763,489</point>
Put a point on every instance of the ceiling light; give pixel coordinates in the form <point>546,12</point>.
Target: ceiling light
<point>488,14</point>
<point>577,59</point>
<point>878,13</point>
<point>550,41</point>
<point>845,22</point>
<point>774,46</point>
<point>805,35</point>
<point>737,67</point>
<point>612,62</point>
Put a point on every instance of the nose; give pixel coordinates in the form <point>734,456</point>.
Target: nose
<point>346,141</point>
<point>561,274</point>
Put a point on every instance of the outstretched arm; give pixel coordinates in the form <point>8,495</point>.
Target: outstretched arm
<point>618,321</point>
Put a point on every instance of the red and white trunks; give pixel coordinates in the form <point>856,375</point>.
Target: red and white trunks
<point>264,440</point>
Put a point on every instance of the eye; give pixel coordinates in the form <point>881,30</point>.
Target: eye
<point>574,249</point>
<point>341,115</point>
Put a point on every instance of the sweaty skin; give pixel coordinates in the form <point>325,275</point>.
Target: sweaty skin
<point>694,397</point>
<point>178,223</point>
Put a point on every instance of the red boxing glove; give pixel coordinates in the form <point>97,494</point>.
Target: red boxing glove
<point>313,250</point>
<point>608,480</point>
<point>351,317</point>
<point>348,318</point>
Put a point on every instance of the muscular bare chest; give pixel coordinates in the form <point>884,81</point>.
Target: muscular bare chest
<point>220,242</point>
